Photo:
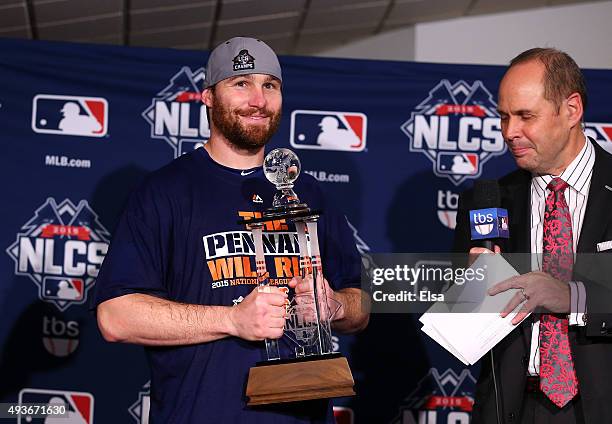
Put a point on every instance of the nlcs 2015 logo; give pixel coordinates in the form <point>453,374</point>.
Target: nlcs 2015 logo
<point>457,127</point>
<point>139,410</point>
<point>439,397</point>
<point>61,249</point>
<point>177,114</point>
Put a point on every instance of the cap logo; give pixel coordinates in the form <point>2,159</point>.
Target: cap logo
<point>244,61</point>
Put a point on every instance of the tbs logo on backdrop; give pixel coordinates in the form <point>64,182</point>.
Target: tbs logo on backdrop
<point>61,249</point>
<point>457,127</point>
<point>79,406</point>
<point>70,115</point>
<point>60,338</point>
<point>489,223</point>
<point>177,114</point>
<point>324,130</point>
<point>447,208</point>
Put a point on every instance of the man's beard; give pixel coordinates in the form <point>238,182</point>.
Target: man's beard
<point>241,136</point>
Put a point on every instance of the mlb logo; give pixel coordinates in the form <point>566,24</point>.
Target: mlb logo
<point>70,115</point>
<point>57,288</point>
<point>344,415</point>
<point>600,132</point>
<point>437,267</point>
<point>457,163</point>
<point>324,130</point>
<point>79,406</point>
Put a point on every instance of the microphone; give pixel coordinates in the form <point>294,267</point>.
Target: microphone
<point>488,221</point>
<point>489,224</point>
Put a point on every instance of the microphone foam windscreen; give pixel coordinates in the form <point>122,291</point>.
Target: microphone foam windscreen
<point>486,194</point>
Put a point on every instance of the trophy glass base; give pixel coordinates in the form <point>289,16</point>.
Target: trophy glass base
<point>317,377</point>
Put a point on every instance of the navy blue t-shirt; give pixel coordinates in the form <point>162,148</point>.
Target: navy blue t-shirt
<point>179,239</point>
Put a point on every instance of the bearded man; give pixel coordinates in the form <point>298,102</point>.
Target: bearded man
<point>180,275</point>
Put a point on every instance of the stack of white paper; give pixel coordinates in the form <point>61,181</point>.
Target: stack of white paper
<point>467,323</point>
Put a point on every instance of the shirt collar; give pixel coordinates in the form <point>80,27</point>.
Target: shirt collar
<point>575,175</point>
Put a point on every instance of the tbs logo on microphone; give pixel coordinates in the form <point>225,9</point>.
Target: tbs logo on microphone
<point>489,223</point>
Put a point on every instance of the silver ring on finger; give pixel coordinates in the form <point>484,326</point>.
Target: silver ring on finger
<point>525,297</point>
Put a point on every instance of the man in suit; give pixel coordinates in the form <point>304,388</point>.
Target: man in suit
<point>553,368</point>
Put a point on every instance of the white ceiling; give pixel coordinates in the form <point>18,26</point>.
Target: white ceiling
<point>289,26</point>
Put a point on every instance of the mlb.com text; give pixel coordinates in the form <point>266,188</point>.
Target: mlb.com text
<point>329,178</point>
<point>66,162</point>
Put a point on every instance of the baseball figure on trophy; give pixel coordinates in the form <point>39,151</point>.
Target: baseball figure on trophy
<point>310,369</point>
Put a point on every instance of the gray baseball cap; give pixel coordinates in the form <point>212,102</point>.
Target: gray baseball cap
<point>241,56</point>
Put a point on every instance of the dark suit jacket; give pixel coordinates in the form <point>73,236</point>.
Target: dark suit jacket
<point>591,345</point>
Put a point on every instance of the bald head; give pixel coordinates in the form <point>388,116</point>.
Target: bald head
<point>543,134</point>
<point>561,75</point>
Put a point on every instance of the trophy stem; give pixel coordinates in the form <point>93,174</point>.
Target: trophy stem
<point>320,296</point>
<point>272,349</point>
<point>262,280</point>
<point>315,283</point>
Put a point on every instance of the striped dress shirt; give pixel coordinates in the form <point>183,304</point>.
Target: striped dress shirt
<point>578,177</point>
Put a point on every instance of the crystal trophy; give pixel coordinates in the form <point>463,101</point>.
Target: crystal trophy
<point>306,367</point>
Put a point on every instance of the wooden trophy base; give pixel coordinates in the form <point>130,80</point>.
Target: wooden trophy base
<point>299,380</point>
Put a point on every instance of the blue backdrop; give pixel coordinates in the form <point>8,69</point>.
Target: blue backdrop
<point>80,125</point>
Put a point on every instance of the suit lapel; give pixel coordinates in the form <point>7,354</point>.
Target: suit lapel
<point>516,199</point>
<point>599,204</point>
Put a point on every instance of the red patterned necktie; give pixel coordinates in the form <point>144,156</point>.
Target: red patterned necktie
<point>557,375</point>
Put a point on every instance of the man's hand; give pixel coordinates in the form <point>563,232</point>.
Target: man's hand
<point>261,315</point>
<point>538,290</point>
<point>304,291</point>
